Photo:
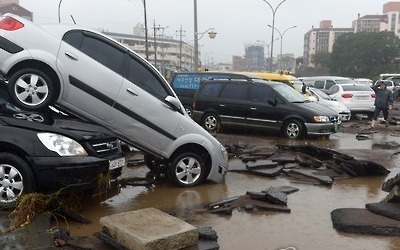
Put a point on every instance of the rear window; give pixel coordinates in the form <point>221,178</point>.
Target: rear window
<point>357,87</point>
<point>211,89</point>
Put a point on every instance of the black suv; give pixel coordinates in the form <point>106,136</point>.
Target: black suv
<point>259,104</point>
<point>47,152</point>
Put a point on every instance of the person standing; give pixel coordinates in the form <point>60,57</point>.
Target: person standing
<point>304,88</point>
<point>383,103</point>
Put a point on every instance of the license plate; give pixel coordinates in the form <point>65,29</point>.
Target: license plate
<point>361,97</point>
<point>117,163</point>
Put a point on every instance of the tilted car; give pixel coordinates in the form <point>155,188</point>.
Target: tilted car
<point>51,152</point>
<point>263,105</point>
<point>96,78</point>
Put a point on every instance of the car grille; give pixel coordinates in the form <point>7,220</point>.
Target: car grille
<point>334,119</point>
<point>105,148</point>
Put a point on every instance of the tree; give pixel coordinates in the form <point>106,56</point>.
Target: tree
<point>364,54</point>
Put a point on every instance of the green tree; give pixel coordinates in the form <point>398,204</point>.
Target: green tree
<point>364,54</point>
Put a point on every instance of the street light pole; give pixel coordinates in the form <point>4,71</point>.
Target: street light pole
<point>196,39</point>
<point>273,28</point>
<point>281,36</point>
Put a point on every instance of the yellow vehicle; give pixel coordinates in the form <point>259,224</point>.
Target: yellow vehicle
<point>281,77</point>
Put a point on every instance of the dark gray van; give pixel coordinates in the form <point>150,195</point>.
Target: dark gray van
<point>185,84</point>
<point>264,105</point>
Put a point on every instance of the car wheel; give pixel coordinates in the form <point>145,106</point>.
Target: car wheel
<point>188,111</point>
<point>211,122</point>
<point>16,178</point>
<point>293,129</point>
<point>186,170</point>
<point>31,89</point>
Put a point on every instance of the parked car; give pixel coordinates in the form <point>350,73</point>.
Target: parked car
<point>92,76</point>
<point>325,82</point>
<point>326,100</point>
<point>390,85</point>
<point>366,81</point>
<point>185,84</point>
<point>48,152</point>
<point>260,104</point>
<point>359,98</point>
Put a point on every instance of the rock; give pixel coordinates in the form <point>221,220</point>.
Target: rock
<point>363,221</point>
<point>268,172</point>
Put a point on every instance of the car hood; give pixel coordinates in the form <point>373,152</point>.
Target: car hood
<point>335,105</point>
<point>54,123</point>
<point>314,108</point>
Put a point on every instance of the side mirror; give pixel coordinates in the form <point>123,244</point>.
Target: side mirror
<point>174,103</point>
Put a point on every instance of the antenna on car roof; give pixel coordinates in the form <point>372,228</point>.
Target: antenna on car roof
<point>73,19</point>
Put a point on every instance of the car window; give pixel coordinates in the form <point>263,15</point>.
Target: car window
<point>211,89</point>
<point>329,83</point>
<point>142,76</point>
<point>102,52</point>
<point>96,47</point>
<point>260,94</point>
<point>319,84</point>
<point>288,93</point>
<point>235,91</point>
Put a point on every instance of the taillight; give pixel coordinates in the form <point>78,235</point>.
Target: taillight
<point>9,23</point>
<point>347,95</point>
<point>373,95</point>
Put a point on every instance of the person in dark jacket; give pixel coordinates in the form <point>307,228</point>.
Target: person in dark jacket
<point>383,102</point>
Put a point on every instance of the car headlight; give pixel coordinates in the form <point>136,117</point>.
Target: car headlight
<point>62,145</point>
<point>224,152</point>
<point>321,118</point>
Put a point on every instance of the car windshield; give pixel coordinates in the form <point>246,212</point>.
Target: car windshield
<point>321,94</point>
<point>289,94</point>
<point>344,81</point>
<point>297,84</point>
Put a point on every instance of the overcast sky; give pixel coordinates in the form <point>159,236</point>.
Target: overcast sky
<point>237,22</point>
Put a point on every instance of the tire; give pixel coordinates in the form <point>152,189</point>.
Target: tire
<point>31,89</point>
<point>293,129</point>
<point>186,170</point>
<point>211,122</point>
<point>16,179</point>
<point>188,111</point>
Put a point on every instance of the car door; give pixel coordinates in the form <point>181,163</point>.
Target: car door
<point>91,71</point>
<point>233,104</point>
<point>263,111</point>
<point>141,114</point>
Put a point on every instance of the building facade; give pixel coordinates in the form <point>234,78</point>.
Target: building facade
<point>321,40</point>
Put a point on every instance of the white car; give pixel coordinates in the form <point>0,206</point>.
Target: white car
<point>97,78</point>
<point>326,100</point>
<point>359,98</point>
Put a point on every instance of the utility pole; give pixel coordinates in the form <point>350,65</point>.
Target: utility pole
<point>155,43</point>
<point>181,34</point>
<point>145,30</point>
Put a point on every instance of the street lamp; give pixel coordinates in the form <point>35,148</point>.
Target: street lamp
<point>211,34</point>
<point>281,35</point>
<point>273,27</point>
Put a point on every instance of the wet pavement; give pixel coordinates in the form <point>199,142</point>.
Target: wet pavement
<point>307,226</point>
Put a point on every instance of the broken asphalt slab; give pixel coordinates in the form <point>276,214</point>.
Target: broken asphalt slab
<point>363,221</point>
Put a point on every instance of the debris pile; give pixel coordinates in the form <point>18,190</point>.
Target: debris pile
<point>304,163</point>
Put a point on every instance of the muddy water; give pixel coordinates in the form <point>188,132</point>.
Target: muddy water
<point>307,226</point>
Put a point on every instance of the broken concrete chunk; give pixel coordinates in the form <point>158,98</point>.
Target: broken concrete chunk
<point>149,228</point>
<point>284,189</point>
<point>273,207</point>
<point>391,210</point>
<point>261,164</point>
<point>220,203</point>
<point>283,159</point>
<point>276,196</point>
<point>388,185</point>
<point>306,160</point>
<point>393,196</point>
<point>326,180</point>
<point>268,172</point>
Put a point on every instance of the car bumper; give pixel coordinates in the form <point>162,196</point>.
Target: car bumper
<point>322,128</point>
<point>70,173</point>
